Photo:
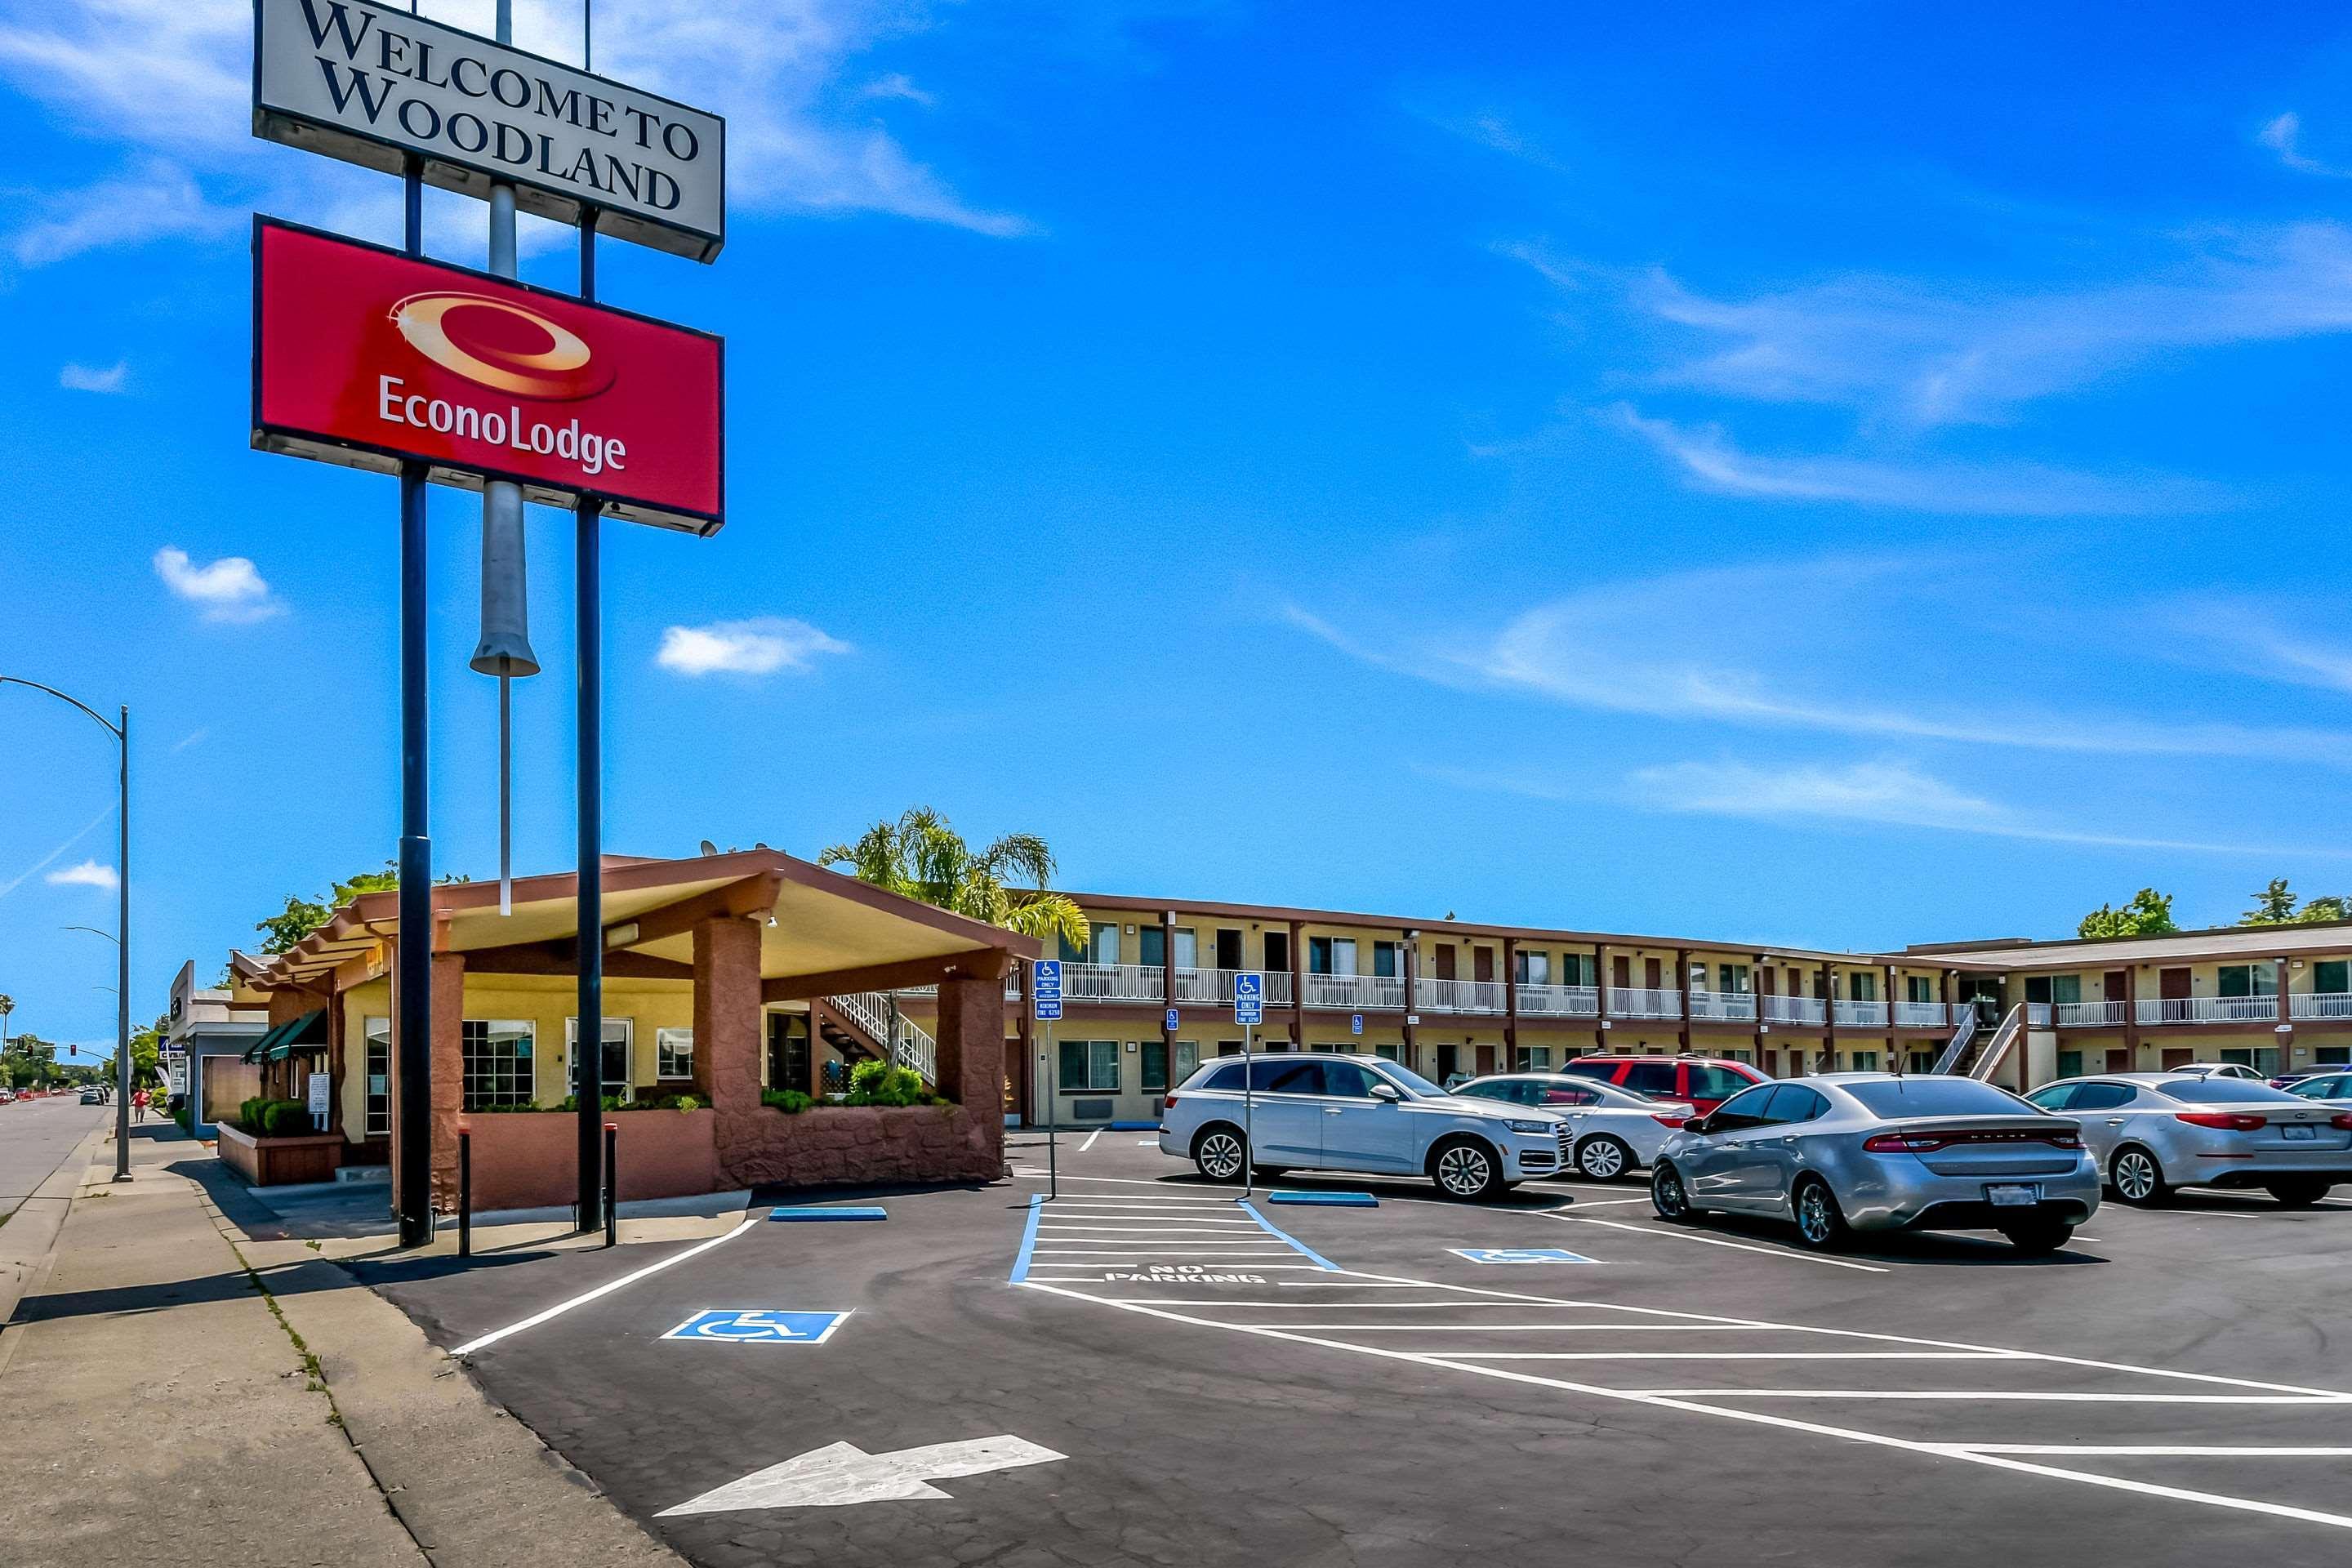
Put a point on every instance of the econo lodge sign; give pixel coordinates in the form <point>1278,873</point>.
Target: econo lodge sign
<point>371,358</point>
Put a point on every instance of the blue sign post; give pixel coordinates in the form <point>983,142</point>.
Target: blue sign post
<point>1249,999</point>
<point>1172,1018</point>
<point>1046,1004</point>
<point>1249,1010</point>
<point>1355,1023</point>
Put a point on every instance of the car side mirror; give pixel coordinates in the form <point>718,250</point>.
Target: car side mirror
<point>1387,1093</point>
<point>1702,1125</point>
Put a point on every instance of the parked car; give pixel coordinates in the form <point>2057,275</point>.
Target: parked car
<point>8,1096</point>
<point>2153,1131</point>
<point>93,1097</point>
<point>2335,1085</point>
<point>1862,1152</point>
<point>2289,1079</point>
<point>1318,1112</point>
<point>1704,1082</point>
<point>2215,1069</point>
<point>1612,1130</point>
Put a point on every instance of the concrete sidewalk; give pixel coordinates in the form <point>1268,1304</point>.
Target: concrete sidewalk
<point>177,1386</point>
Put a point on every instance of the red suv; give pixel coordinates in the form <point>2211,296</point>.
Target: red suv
<point>1704,1081</point>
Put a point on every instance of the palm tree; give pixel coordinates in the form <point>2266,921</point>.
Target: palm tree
<point>921,856</point>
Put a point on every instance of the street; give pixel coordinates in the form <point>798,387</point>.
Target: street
<point>36,1135</point>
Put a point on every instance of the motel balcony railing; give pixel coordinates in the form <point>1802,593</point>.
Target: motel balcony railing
<point>1459,997</point>
<point>1922,1016</point>
<point>1356,991</point>
<point>1722,1006</point>
<point>1794,1010</point>
<point>1625,1002</point>
<point>2210,1010</point>
<point>2318,1004</point>
<point>1536,1000</point>
<point>2090,1015</point>
<point>1861,1015</point>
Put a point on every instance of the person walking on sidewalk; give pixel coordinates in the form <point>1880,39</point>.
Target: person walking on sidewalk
<point>138,1104</point>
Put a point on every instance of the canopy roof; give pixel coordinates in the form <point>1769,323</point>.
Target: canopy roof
<point>305,1032</point>
<point>824,931</point>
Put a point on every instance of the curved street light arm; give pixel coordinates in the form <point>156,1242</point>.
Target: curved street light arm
<point>108,725</point>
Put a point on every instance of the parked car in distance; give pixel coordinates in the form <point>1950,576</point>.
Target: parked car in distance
<point>2153,1131</point>
<point>1703,1082</point>
<point>1841,1152</point>
<point>2216,1069</point>
<point>1612,1130</point>
<point>92,1096</point>
<point>2335,1085</point>
<point>1322,1113</point>
<point>7,1097</point>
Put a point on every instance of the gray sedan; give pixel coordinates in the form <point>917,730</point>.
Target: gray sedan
<point>1614,1129</point>
<point>2153,1131</point>
<point>1848,1151</point>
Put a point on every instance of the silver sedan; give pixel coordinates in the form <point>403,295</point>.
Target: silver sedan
<point>1848,1151</point>
<point>1615,1130</point>
<point>2153,1131</point>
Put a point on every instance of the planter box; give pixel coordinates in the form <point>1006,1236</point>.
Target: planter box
<point>280,1161</point>
<point>530,1159</point>
<point>842,1145</point>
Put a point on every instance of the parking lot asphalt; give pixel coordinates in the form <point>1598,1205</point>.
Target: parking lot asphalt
<point>1167,1377</point>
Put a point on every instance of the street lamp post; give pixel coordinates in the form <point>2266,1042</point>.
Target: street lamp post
<point>120,731</point>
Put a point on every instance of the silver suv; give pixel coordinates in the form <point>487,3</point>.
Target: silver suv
<point>1314,1111</point>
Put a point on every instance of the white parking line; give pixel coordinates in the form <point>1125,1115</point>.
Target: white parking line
<point>1712,1241</point>
<point>1090,1139</point>
<point>495,1335</point>
<point>1674,1355</point>
<point>2025,1395</point>
<point>2144,1451</point>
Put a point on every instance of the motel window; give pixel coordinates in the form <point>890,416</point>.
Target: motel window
<point>2331,976</point>
<point>1578,969</point>
<point>1188,949</point>
<point>614,1067</point>
<point>674,1053</point>
<point>1102,947</point>
<point>1388,960</point>
<point>1229,1048</point>
<point>496,1055</point>
<point>1698,977</point>
<point>1229,948</point>
<point>1277,949</point>
<point>1534,968</point>
<point>1862,985</point>
<point>1865,1061</point>
<point>2070,1064</point>
<point>1390,1053</point>
<point>1152,946</point>
<point>379,1077</point>
<point>2335,1056</point>
<point>1747,1057</point>
<point>1155,1066</point>
<point>1733,978</point>
<point>1920,987</point>
<point>1089,1067</point>
<point>2066,988</point>
<point>2249,980</point>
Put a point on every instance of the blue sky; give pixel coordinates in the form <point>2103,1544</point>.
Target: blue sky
<point>1830,474</point>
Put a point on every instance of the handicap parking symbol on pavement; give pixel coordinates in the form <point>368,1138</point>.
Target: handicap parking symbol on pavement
<point>1519,1254</point>
<point>757,1326</point>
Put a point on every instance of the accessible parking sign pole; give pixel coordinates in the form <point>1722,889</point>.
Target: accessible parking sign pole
<point>1046,1005</point>
<point>1249,1011</point>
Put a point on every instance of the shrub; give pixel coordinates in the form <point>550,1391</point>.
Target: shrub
<point>275,1118</point>
<point>791,1101</point>
<point>685,1103</point>
<point>880,1083</point>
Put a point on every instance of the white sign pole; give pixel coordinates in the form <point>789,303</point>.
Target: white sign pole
<point>1053,1122</point>
<point>1249,1126</point>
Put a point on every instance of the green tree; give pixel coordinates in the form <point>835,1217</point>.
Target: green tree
<point>2273,906</point>
<point>2148,913</point>
<point>922,857</point>
<point>302,915</point>
<point>2326,907</point>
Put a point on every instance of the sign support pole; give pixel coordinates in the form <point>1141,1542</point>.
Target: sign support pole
<point>1053,1121</point>
<point>413,1199</point>
<point>588,617</point>
<point>1249,1126</point>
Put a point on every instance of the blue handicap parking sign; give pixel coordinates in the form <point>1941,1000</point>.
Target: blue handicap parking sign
<point>1172,1020</point>
<point>1249,998</point>
<point>1519,1254</point>
<point>757,1326</point>
<point>1045,989</point>
<point>1355,1023</point>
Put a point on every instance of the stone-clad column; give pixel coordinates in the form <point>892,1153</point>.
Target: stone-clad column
<point>727,1029</point>
<point>972,1068</point>
<point>449,1074</point>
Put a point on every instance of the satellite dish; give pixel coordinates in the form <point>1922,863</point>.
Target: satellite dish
<point>708,847</point>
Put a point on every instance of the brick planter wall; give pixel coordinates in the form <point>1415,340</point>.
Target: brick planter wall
<point>841,1145</point>
<point>278,1161</point>
<point>530,1159</point>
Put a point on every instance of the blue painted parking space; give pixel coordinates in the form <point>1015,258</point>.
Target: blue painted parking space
<point>823,1212</point>
<point>1326,1200</point>
<point>1520,1255</point>
<point>757,1326</point>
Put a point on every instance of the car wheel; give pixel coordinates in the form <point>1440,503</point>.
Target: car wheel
<point>2298,1195</point>
<point>1668,1196</point>
<point>1821,1224</point>
<point>2038,1238</point>
<point>2137,1178</point>
<point>1603,1158</point>
<point>1466,1168</point>
<point>1218,1152</point>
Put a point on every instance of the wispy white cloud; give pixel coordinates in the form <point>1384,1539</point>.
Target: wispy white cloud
<point>1497,133</point>
<point>230,591</point>
<point>88,874</point>
<point>759,646</point>
<point>1763,648</point>
<point>2283,136</point>
<point>896,84</point>
<point>169,82</point>
<point>195,737</point>
<point>95,378</point>
<point>2268,638</point>
<point>1708,458</point>
<point>1930,351</point>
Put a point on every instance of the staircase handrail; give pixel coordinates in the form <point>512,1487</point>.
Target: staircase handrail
<point>873,1011</point>
<point>2012,1031</point>
<point>1967,1031</point>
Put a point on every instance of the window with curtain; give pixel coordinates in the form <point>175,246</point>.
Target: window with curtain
<point>2249,980</point>
<point>617,1069</point>
<point>1862,985</point>
<point>1188,949</point>
<point>1089,1067</point>
<point>1534,968</point>
<point>1578,969</point>
<point>674,1053</point>
<point>1733,978</point>
<point>1388,960</point>
<point>1103,947</point>
<point>1919,987</point>
<point>2066,988</point>
<point>379,1077</point>
<point>1152,946</point>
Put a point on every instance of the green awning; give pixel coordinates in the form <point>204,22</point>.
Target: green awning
<point>309,1030</point>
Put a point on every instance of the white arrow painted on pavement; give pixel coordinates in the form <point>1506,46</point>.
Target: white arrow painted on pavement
<point>840,1474</point>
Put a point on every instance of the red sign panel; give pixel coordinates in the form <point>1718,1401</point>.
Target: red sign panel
<point>372,357</point>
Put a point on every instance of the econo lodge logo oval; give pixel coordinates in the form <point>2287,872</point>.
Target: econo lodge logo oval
<point>500,344</point>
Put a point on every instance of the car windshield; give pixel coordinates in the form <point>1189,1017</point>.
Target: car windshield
<point>1934,1096</point>
<point>1413,1081</point>
<point>2223,1091</point>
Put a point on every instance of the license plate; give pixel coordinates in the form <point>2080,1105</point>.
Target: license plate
<point>2013,1196</point>
<point>2294,1132</point>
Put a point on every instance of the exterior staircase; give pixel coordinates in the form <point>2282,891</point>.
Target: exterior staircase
<point>1965,1057</point>
<point>868,1026</point>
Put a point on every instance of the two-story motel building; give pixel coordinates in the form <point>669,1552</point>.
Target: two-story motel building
<point>1447,997</point>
